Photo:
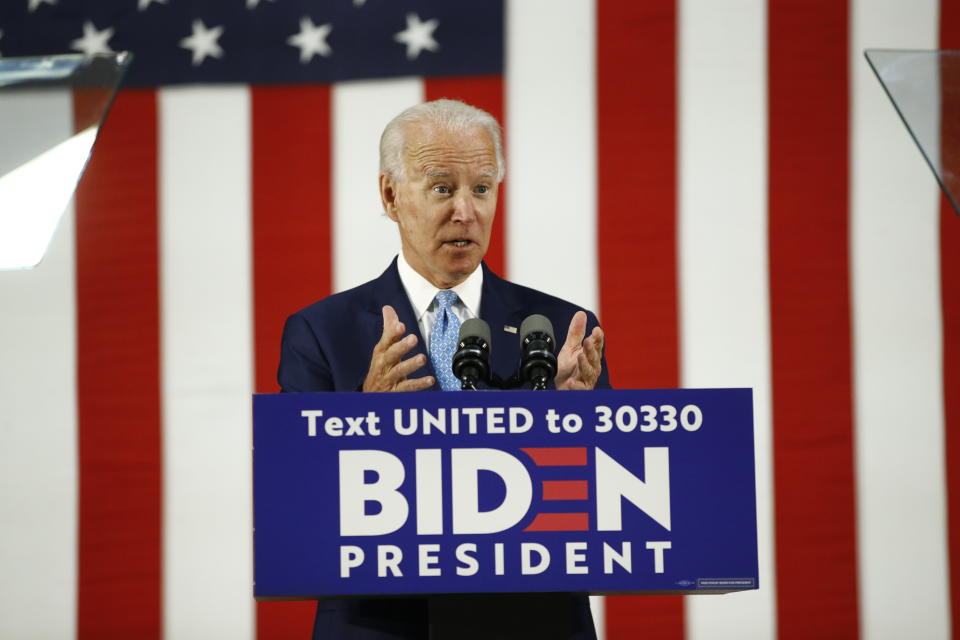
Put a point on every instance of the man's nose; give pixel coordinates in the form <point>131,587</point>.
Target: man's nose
<point>464,209</point>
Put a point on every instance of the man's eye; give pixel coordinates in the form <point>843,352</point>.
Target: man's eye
<point>482,188</point>
<point>442,189</point>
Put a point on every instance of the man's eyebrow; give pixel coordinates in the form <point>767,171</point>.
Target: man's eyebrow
<point>444,173</point>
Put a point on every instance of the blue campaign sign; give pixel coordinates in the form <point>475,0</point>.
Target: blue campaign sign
<point>602,491</point>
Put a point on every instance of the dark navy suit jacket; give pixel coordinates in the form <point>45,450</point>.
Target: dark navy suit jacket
<point>327,347</point>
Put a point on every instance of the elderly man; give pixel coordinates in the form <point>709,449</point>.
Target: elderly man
<point>441,164</point>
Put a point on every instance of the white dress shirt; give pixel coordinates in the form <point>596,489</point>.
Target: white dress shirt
<point>421,295</point>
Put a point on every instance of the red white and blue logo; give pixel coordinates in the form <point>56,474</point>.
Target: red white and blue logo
<point>407,493</point>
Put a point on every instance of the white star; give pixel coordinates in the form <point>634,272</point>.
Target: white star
<point>359,3</point>
<point>203,42</point>
<point>143,4</point>
<point>252,4</point>
<point>93,41</point>
<point>36,3</point>
<point>418,35</point>
<point>312,40</point>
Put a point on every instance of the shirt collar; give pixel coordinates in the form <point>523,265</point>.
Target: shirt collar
<point>422,293</point>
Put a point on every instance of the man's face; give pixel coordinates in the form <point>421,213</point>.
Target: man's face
<point>446,202</point>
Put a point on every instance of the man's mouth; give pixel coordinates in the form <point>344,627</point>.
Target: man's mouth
<point>459,243</point>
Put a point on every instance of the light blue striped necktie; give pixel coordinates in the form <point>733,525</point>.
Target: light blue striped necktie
<point>443,340</point>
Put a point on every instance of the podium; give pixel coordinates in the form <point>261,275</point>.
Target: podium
<point>487,494</point>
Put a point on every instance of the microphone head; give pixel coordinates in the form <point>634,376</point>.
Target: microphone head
<point>471,362</point>
<point>474,328</point>
<point>537,323</point>
<point>538,363</point>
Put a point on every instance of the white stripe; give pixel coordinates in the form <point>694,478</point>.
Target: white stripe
<point>38,421</point>
<point>597,608</point>
<point>551,148</point>
<point>901,518</point>
<point>364,239</point>
<point>550,230</point>
<point>207,361</point>
<point>723,257</point>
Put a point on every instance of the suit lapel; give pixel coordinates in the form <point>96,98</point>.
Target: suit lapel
<point>501,311</point>
<point>498,307</point>
<point>388,289</point>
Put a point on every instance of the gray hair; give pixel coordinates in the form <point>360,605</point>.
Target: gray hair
<point>451,115</point>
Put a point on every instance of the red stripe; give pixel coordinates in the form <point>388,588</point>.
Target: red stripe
<point>810,319</point>
<point>485,92</point>
<point>292,256</point>
<point>565,489</point>
<point>557,456</point>
<point>950,292</point>
<point>637,253</point>
<point>560,522</point>
<point>118,376</point>
<point>950,296</point>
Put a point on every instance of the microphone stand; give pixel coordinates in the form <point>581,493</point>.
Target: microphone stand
<point>469,382</point>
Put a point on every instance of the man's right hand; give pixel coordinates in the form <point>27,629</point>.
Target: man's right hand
<point>388,371</point>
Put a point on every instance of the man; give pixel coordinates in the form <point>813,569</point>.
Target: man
<point>441,164</point>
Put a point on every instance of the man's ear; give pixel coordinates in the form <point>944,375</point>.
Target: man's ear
<point>388,195</point>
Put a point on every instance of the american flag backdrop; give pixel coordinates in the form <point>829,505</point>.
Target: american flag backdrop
<point>725,183</point>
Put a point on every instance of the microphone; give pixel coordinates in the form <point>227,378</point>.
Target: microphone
<point>471,362</point>
<point>538,364</point>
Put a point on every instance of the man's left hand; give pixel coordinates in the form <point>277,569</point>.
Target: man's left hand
<point>578,363</point>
